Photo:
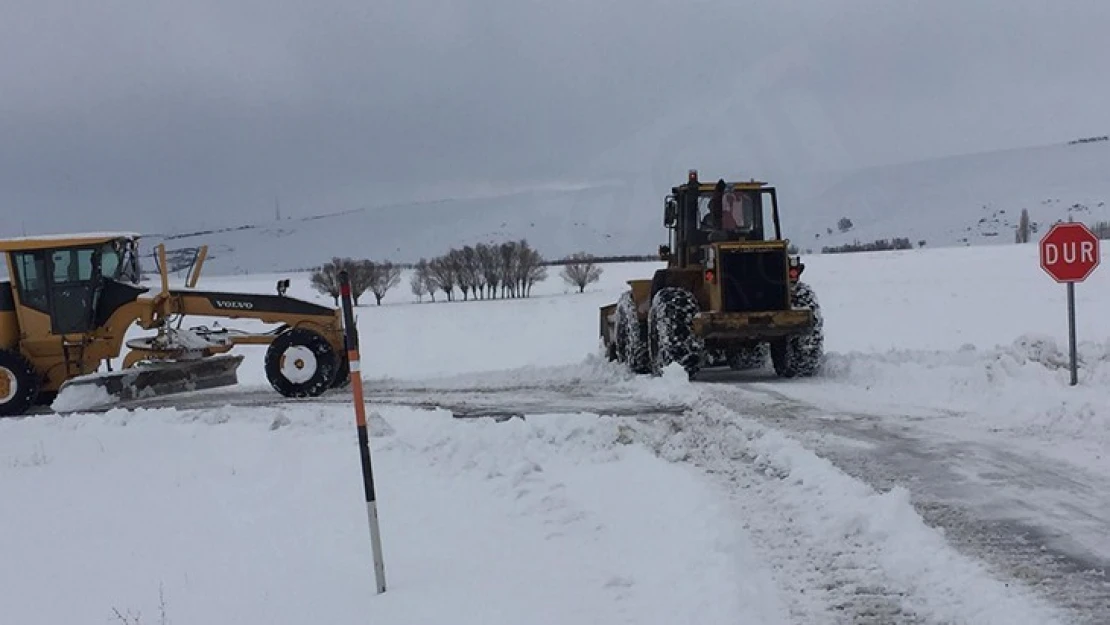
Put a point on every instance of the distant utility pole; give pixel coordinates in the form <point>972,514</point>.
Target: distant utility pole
<point>277,208</point>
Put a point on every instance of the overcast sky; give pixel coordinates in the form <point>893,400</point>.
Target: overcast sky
<point>152,115</point>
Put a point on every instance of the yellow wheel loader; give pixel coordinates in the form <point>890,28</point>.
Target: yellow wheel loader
<point>730,294</point>
<point>71,299</point>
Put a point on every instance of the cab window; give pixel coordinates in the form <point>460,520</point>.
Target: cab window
<point>109,261</point>
<point>72,266</point>
<point>30,268</point>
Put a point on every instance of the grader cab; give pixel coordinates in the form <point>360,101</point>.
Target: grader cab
<point>730,295</point>
<point>71,300</point>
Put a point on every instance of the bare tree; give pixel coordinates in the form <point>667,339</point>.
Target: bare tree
<point>529,268</point>
<point>325,279</point>
<point>417,281</point>
<point>487,261</point>
<point>507,257</point>
<point>464,276</point>
<point>383,277</point>
<point>422,282</point>
<point>441,272</point>
<point>1022,235</point>
<point>581,271</point>
<point>472,269</point>
<point>361,273</point>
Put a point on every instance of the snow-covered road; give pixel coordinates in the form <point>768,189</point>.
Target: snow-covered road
<point>1033,519</point>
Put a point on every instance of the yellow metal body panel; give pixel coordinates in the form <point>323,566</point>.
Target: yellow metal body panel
<point>641,294</point>
<point>9,329</point>
<point>50,242</point>
<point>741,326</point>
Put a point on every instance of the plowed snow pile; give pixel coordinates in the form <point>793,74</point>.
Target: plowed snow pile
<point>1023,386</point>
<point>256,516</point>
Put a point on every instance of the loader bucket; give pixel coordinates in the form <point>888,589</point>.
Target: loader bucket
<point>146,381</point>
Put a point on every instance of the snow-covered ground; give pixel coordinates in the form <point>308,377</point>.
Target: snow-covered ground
<point>735,510</point>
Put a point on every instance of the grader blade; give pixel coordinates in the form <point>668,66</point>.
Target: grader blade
<point>147,381</point>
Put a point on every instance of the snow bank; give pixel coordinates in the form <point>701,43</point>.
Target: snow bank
<point>822,529</point>
<point>256,515</point>
<point>81,397</point>
<point>1023,387</point>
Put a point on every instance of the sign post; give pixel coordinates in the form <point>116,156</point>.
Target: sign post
<point>1069,253</point>
<point>351,332</point>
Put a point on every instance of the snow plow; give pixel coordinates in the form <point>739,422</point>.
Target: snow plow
<point>730,294</point>
<point>71,299</point>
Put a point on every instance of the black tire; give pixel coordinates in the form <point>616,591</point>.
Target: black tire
<point>671,333</point>
<point>317,380</point>
<point>342,373</point>
<point>21,384</point>
<point>748,358</point>
<point>632,347</point>
<point>801,355</point>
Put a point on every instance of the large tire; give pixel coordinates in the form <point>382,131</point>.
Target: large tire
<point>19,384</point>
<point>632,347</point>
<point>801,355</point>
<point>671,336</point>
<point>301,363</point>
<point>342,373</point>
<point>748,358</point>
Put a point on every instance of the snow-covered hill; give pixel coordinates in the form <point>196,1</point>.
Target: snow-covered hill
<point>610,218</point>
<point>961,200</point>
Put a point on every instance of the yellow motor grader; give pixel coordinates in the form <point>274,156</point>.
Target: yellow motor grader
<point>71,299</point>
<point>729,295</point>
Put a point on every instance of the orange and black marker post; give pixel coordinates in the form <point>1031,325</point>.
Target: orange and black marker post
<point>351,333</point>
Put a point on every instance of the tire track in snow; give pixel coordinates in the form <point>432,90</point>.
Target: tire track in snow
<point>826,582</point>
<point>846,553</point>
<point>978,517</point>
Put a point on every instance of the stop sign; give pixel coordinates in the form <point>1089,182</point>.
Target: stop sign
<point>1069,252</point>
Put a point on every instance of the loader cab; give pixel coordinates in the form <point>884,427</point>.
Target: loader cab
<point>70,284</point>
<point>698,214</point>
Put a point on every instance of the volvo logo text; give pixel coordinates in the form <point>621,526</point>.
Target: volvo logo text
<point>224,303</point>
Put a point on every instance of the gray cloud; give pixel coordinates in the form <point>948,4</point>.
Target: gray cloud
<point>158,114</point>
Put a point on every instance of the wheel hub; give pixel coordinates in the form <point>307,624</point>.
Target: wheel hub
<point>8,385</point>
<point>298,364</point>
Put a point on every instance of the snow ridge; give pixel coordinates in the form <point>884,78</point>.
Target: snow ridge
<point>1022,387</point>
<point>845,553</point>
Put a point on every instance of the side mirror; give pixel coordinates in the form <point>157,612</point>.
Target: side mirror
<point>670,212</point>
<point>664,252</point>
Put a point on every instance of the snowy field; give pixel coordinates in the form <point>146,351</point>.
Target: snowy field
<point>756,504</point>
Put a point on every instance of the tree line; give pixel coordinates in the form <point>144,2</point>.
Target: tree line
<point>880,245</point>
<point>482,271</point>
